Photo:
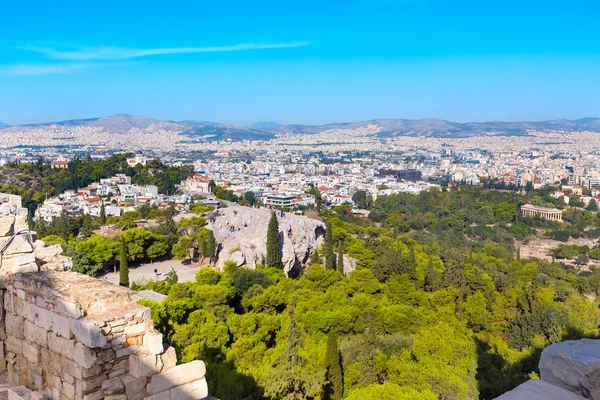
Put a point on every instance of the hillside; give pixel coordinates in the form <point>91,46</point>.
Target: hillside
<point>212,131</point>
<point>440,128</point>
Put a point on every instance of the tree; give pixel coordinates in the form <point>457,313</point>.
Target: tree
<point>360,199</point>
<point>157,249</point>
<point>273,249</point>
<point>102,214</point>
<point>519,254</point>
<point>328,247</point>
<point>182,249</point>
<point>123,268</point>
<point>207,244</point>
<point>340,257</point>
<point>560,203</point>
<point>333,389</point>
<point>582,259</point>
<point>431,283</point>
<point>592,206</point>
<point>250,197</point>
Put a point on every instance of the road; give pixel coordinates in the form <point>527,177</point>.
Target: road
<point>146,271</point>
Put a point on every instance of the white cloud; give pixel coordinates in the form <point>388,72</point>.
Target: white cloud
<point>123,53</point>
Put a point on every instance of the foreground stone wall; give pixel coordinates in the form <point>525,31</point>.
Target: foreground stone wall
<point>69,336</point>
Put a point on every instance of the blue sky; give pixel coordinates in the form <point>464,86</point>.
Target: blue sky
<point>300,61</point>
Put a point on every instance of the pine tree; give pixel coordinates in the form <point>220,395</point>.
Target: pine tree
<point>333,389</point>
<point>123,268</point>
<point>340,257</point>
<point>102,214</point>
<point>519,254</point>
<point>273,249</point>
<point>328,247</point>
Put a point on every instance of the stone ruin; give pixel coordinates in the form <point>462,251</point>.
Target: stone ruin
<point>67,336</point>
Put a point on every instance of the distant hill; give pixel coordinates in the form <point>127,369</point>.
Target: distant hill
<point>442,128</point>
<point>210,131</point>
<point>3,125</point>
<point>264,125</point>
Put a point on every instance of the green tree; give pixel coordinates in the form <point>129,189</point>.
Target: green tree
<point>102,214</point>
<point>592,206</point>
<point>340,257</point>
<point>333,389</point>
<point>183,248</point>
<point>328,247</point>
<point>207,244</point>
<point>250,197</point>
<point>273,249</point>
<point>123,268</point>
<point>157,249</point>
<point>431,283</point>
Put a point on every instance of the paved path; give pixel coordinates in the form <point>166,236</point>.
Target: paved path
<point>184,272</point>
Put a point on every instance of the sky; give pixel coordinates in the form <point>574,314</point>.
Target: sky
<point>309,61</point>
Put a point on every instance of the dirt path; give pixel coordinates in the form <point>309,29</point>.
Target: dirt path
<point>146,271</point>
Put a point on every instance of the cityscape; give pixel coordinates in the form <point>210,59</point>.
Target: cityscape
<point>316,200</point>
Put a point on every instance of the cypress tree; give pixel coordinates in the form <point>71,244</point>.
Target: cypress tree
<point>333,389</point>
<point>431,278</point>
<point>123,268</point>
<point>519,254</point>
<point>328,247</point>
<point>273,249</point>
<point>102,214</point>
<point>340,257</point>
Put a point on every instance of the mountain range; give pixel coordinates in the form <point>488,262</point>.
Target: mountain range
<point>207,130</point>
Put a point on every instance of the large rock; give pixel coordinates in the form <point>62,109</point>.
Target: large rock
<point>7,223</point>
<point>299,237</point>
<point>536,389</point>
<point>573,365</point>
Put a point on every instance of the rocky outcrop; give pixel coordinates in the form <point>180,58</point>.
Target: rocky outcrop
<point>244,230</point>
<point>568,370</point>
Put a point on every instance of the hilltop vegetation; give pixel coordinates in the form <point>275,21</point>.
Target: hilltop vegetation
<point>440,306</point>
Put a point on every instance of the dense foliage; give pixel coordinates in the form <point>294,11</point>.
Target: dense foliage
<point>440,306</point>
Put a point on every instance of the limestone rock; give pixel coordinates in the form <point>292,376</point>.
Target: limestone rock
<point>536,389</point>
<point>113,386</point>
<point>238,257</point>
<point>48,254</point>
<point>573,365</point>
<point>299,237</point>
<point>7,223</point>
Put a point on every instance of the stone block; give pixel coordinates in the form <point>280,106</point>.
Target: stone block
<point>177,376</point>
<point>169,358</point>
<point>19,393</point>
<point>113,386</point>
<point>97,395</point>
<point>89,372</point>
<point>106,355</point>
<point>134,330</point>
<point>72,368</point>
<point>134,387</point>
<point>193,390</point>
<point>60,345</point>
<point>84,356</point>
<point>116,397</point>
<point>68,308</point>
<point>154,342</point>
<point>36,334</point>
<point>92,383</point>
<point>141,367</point>
<point>68,390</point>
<point>573,365</point>
<point>52,363</point>
<point>88,333</point>
<point>126,351</point>
<point>47,254</point>
<point>166,395</point>
<point>15,326</point>
<point>31,352</point>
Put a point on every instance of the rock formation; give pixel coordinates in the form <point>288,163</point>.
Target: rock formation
<point>242,233</point>
<point>569,370</point>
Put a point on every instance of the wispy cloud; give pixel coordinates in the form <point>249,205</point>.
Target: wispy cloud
<point>123,53</point>
<point>52,69</point>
